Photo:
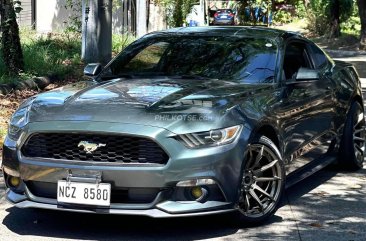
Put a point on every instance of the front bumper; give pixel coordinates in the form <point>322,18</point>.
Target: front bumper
<point>222,164</point>
<point>162,210</point>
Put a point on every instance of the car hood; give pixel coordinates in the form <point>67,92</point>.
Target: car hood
<point>173,104</point>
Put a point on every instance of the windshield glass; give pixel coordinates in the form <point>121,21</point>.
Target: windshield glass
<point>244,60</point>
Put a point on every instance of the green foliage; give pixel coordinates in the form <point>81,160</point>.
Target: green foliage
<point>47,55</point>
<point>178,14</point>
<point>282,16</point>
<point>300,9</point>
<point>55,54</point>
<point>177,10</point>
<point>319,16</point>
<point>74,23</point>
<point>119,42</point>
<point>353,24</point>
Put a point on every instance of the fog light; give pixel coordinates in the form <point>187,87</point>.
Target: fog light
<point>196,192</point>
<point>14,182</point>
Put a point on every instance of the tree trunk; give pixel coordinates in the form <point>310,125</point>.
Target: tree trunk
<point>147,14</point>
<point>335,28</point>
<point>10,41</point>
<point>362,10</point>
<point>97,32</point>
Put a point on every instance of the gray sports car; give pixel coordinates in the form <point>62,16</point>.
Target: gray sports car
<point>188,121</point>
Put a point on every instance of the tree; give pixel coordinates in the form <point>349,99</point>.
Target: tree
<point>335,27</point>
<point>178,13</point>
<point>362,11</point>
<point>177,10</point>
<point>10,41</point>
<point>326,16</point>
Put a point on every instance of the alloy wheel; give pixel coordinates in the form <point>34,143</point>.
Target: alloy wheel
<point>261,183</point>
<point>359,136</point>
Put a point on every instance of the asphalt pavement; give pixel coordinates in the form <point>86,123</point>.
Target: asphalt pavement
<point>328,206</point>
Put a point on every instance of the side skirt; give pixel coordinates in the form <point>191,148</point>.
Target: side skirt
<point>309,169</point>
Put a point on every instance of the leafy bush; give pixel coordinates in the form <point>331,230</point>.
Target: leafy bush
<point>121,41</point>
<point>319,16</point>
<point>74,23</point>
<point>300,9</point>
<point>353,24</point>
<point>177,10</point>
<point>282,16</point>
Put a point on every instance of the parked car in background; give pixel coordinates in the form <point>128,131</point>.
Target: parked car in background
<point>224,17</point>
<point>185,122</point>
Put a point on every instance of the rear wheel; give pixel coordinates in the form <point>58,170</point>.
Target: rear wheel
<point>262,182</point>
<point>352,149</point>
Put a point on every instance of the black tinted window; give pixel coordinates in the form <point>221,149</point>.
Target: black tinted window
<point>227,58</point>
<point>319,58</point>
<point>296,57</point>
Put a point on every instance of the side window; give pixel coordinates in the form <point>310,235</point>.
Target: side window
<point>319,58</point>
<point>147,59</point>
<point>296,56</point>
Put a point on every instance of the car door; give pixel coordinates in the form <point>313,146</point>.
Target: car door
<point>307,109</point>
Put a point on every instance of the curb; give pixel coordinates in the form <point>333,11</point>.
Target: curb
<point>345,53</point>
<point>36,83</point>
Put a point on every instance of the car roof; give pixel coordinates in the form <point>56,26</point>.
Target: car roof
<point>244,31</point>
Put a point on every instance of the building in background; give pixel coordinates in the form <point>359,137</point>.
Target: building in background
<point>51,16</point>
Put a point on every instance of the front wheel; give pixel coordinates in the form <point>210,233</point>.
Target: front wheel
<point>262,183</point>
<point>352,148</point>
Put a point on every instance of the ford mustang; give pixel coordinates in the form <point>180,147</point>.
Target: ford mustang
<point>188,121</point>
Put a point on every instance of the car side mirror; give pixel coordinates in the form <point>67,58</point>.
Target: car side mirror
<point>305,74</point>
<point>93,69</point>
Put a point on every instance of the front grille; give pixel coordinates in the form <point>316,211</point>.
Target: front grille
<point>115,149</point>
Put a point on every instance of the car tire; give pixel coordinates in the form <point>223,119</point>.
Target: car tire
<point>262,184</point>
<point>352,147</point>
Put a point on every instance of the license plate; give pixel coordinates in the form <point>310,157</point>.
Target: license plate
<point>224,16</point>
<point>84,193</point>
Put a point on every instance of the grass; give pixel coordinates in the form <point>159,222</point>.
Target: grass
<point>53,54</point>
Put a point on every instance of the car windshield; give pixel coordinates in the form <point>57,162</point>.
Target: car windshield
<point>246,60</point>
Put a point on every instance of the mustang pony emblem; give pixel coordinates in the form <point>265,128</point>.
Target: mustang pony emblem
<point>90,147</point>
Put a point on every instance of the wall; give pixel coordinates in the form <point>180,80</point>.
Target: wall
<point>51,15</point>
<point>25,17</point>
<point>157,19</point>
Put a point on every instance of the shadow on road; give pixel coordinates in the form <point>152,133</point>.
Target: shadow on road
<point>89,226</point>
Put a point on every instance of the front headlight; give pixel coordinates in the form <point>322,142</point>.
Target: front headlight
<point>20,119</point>
<point>211,138</point>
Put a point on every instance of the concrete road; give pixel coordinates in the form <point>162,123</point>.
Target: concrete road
<point>330,205</point>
